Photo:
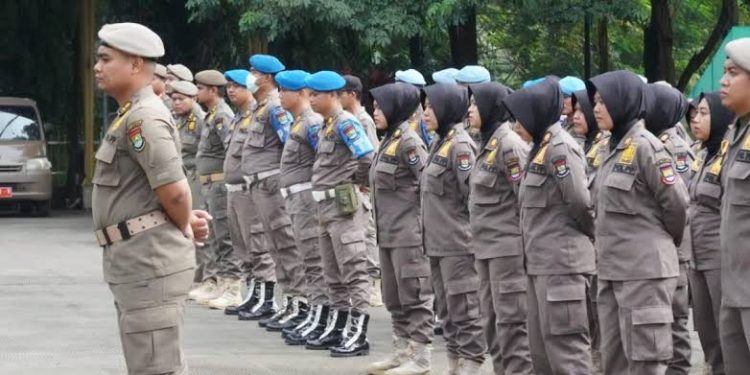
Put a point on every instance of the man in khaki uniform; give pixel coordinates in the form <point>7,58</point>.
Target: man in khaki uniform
<point>221,263</point>
<point>496,235</point>
<point>735,177</point>
<point>557,226</point>
<point>159,84</point>
<point>446,228</point>
<point>640,221</point>
<point>190,124</point>
<point>351,101</point>
<point>141,205</point>
<point>665,107</point>
<point>340,172</point>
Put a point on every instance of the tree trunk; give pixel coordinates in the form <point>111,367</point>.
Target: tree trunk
<point>657,44</point>
<point>603,45</point>
<point>416,52</point>
<point>463,40</point>
<point>587,45</point>
<point>727,18</point>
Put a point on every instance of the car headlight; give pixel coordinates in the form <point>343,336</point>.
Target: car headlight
<point>38,164</point>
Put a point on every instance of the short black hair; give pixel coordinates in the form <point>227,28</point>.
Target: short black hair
<point>353,84</point>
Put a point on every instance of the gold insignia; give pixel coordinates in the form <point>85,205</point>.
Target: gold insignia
<point>539,158</point>
<point>211,114</point>
<point>628,141</point>
<point>628,155</point>
<point>296,129</point>
<point>450,133</point>
<point>392,147</point>
<point>120,116</point>
<point>664,138</point>
<point>746,145</point>
<point>490,160</point>
<point>446,147</point>
<point>716,166</point>
<point>593,155</point>
<point>546,138</point>
<point>493,144</point>
<point>191,122</point>
<point>397,134</point>
<point>696,165</point>
<point>724,147</point>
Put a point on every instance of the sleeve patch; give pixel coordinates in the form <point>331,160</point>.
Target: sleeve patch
<point>681,162</point>
<point>463,161</point>
<point>668,176</point>
<point>412,156</point>
<point>514,169</point>
<point>135,135</point>
<point>561,167</point>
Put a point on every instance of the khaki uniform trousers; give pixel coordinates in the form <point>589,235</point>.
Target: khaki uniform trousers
<point>705,287</point>
<point>218,258</point>
<point>255,261</point>
<point>149,314</point>
<point>680,362</point>
<point>303,211</point>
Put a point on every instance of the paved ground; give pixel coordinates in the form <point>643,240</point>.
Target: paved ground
<point>57,317</point>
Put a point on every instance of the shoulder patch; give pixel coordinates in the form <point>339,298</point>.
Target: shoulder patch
<point>664,138</point>
<point>412,156</point>
<point>348,130</point>
<point>135,135</point>
<point>561,166</point>
<point>668,177</point>
<point>514,169</point>
<point>463,161</point>
<point>681,162</point>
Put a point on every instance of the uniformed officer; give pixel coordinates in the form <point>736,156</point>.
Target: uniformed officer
<point>446,231</point>
<point>395,175</point>
<point>665,107</point>
<point>416,121</point>
<point>472,74</point>
<point>245,227</point>
<point>735,257</point>
<point>159,85</point>
<point>296,188</point>
<point>709,124</point>
<point>557,226</point>
<point>141,205</point>
<point>189,124</point>
<point>178,72</point>
<point>340,173</point>
<point>569,85</point>
<point>640,220</point>
<point>410,76</point>
<point>221,263</point>
<point>261,157</point>
<point>350,99</point>
<point>447,75</point>
<point>496,234</point>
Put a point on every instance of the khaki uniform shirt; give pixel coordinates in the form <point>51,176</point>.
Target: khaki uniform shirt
<point>705,210</point>
<point>594,157</point>
<point>556,217</point>
<point>190,128</point>
<point>233,143</point>
<point>445,195</point>
<point>335,164</point>
<point>641,210</point>
<point>395,175</point>
<point>139,153</point>
<point>493,202</point>
<point>211,150</point>
<point>298,156</point>
<point>263,145</point>
<point>735,207</point>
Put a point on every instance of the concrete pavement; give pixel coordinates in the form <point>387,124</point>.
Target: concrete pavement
<point>57,316</point>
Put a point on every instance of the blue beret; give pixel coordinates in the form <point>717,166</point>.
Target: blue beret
<point>473,74</point>
<point>571,84</point>
<point>238,76</point>
<point>325,80</point>
<point>293,80</point>
<point>445,75</point>
<point>266,64</point>
<point>411,76</point>
<point>532,82</point>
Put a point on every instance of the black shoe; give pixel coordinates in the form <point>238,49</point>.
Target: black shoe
<point>250,300</point>
<point>313,329</point>
<point>333,333</point>
<point>265,306</point>
<point>438,328</point>
<point>304,322</point>
<point>280,313</point>
<point>354,340</point>
<point>293,317</point>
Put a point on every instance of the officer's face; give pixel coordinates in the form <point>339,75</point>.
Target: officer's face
<point>700,123</point>
<point>114,70</point>
<point>238,95</point>
<point>521,131</point>
<point>182,104</point>
<point>579,121</point>
<point>567,106</point>
<point>603,119</point>
<point>323,102</point>
<point>347,98</point>
<point>206,93</point>
<point>379,117</point>
<point>289,99</point>
<point>735,88</point>
<point>475,120</point>
<point>158,85</point>
<point>429,116</point>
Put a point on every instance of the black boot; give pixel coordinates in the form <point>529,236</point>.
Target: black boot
<point>279,313</point>
<point>333,333</point>
<point>354,342</point>
<point>264,307</point>
<point>314,327</point>
<point>250,300</point>
<point>294,316</point>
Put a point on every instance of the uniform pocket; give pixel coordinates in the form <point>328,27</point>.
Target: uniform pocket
<point>256,137</point>
<point>463,299</point>
<point>352,247</point>
<point>106,172</point>
<point>385,175</point>
<point>534,195</point>
<point>651,334</point>
<point>566,309</point>
<point>484,188</point>
<point>511,301</point>
<point>291,152</point>
<point>617,195</point>
<point>239,142</point>
<point>152,338</point>
<point>738,179</point>
<point>414,282</point>
<point>434,179</point>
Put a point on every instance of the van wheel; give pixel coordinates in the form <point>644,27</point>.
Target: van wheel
<point>42,209</point>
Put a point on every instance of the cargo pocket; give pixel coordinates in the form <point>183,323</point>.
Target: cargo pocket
<point>152,339</point>
<point>256,137</point>
<point>511,301</point>
<point>463,299</point>
<point>414,283</point>
<point>325,151</point>
<point>617,198</point>
<point>534,195</point>
<point>352,247</point>
<point>566,309</point>
<point>651,334</point>
<point>385,175</point>
<point>106,172</point>
<point>434,179</point>
<point>290,155</point>
<point>738,178</point>
<point>239,143</point>
<point>484,188</point>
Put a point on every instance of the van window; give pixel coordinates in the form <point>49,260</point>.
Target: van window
<point>18,123</point>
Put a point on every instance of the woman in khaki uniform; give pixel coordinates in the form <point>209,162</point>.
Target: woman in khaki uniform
<point>395,174</point>
<point>557,226</point>
<point>447,234</point>
<point>640,220</point>
<point>496,235</point>
<point>709,123</point>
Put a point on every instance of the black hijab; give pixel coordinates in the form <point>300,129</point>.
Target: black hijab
<point>721,118</point>
<point>536,107</point>
<point>398,101</point>
<point>449,103</point>
<point>489,99</point>
<point>622,93</point>
<point>582,99</point>
<point>665,106</point>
